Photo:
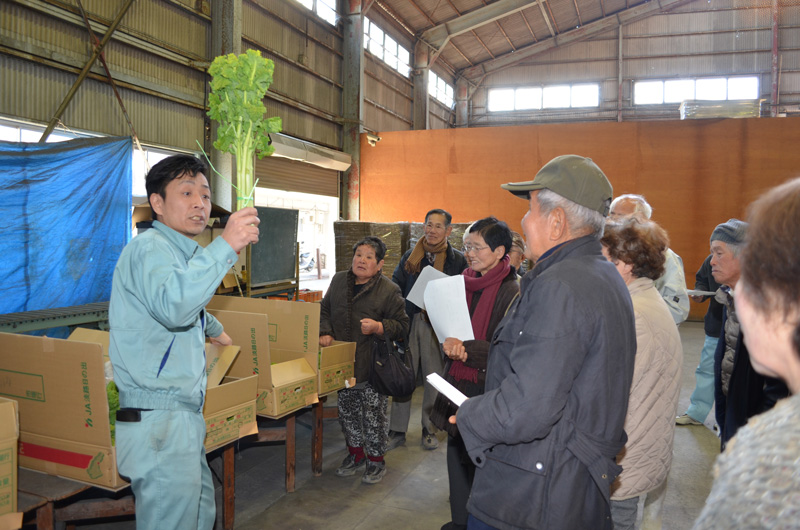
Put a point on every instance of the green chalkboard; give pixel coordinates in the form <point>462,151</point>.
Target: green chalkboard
<point>275,255</point>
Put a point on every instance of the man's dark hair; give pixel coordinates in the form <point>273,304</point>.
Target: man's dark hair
<point>495,233</point>
<point>167,170</point>
<point>447,217</point>
<point>377,245</point>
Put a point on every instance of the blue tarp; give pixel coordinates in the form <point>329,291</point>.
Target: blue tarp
<point>65,215</point>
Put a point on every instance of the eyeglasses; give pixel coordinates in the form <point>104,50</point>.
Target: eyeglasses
<point>435,226</point>
<point>470,248</point>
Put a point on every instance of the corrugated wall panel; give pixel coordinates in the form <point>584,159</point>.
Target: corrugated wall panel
<point>376,119</point>
<point>48,46</point>
<point>388,97</point>
<point>158,20</point>
<point>440,116</point>
<point>65,42</point>
<point>303,86</point>
<point>292,42</point>
<point>94,107</point>
<point>303,125</point>
<point>308,63</point>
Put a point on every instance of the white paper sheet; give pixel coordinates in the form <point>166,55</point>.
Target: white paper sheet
<point>446,303</point>
<point>694,292</point>
<point>448,390</point>
<point>417,294</point>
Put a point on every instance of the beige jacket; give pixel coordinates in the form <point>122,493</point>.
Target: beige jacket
<point>653,402</point>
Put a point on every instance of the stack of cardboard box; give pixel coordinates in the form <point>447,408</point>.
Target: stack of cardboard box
<point>282,338</point>
<point>64,424</point>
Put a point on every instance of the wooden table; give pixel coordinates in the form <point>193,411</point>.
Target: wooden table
<point>46,499</point>
<point>287,434</point>
<point>321,412</point>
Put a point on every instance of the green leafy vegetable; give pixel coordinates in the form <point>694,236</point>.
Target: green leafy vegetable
<point>238,85</point>
<point>113,407</point>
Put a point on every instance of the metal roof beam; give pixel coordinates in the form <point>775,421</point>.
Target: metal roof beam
<point>438,36</point>
<point>476,73</point>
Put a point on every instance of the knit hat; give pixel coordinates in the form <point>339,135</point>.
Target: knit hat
<point>575,178</point>
<point>731,232</point>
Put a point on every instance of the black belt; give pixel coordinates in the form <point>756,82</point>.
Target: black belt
<point>131,415</point>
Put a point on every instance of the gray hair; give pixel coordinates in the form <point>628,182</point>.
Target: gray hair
<point>735,249</point>
<point>641,206</point>
<point>579,218</point>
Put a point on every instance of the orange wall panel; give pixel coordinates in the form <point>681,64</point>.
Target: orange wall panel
<point>695,173</point>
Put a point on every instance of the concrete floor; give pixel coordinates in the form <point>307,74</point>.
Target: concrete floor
<point>414,492</point>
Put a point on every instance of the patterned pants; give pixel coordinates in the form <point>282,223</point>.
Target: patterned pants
<point>362,414</point>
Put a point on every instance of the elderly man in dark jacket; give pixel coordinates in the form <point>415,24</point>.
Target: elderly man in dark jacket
<point>432,250</point>
<point>739,391</point>
<point>545,434</point>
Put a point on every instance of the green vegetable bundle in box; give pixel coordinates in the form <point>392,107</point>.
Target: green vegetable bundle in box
<point>238,86</point>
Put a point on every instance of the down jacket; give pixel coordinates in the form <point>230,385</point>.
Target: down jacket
<point>341,313</point>
<point>653,402</point>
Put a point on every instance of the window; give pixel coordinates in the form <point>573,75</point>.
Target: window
<point>549,97</point>
<point>677,90</point>
<point>648,92</point>
<point>384,47</point>
<point>528,98</point>
<point>713,89</point>
<point>501,99</point>
<point>326,9</point>
<point>585,96</point>
<point>439,89</point>
<point>707,88</point>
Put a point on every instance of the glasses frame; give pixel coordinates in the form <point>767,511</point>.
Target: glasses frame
<point>469,249</point>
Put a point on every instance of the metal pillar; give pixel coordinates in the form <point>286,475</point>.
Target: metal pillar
<point>619,79</point>
<point>463,94</point>
<point>352,104</point>
<point>226,37</point>
<point>421,76</point>
<point>773,112</point>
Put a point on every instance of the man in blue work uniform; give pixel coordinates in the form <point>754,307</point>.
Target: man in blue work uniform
<point>162,283</point>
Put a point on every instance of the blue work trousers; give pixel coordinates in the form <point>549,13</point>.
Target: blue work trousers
<point>702,398</point>
<point>164,458</point>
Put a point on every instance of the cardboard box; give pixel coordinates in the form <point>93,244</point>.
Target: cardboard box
<point>63,407</point>
<point>230,406</point>
<point>288,362</point>
<point>294,385</point>
<point>9,435</point>
<point>336,365</point>
<point>292,325</point>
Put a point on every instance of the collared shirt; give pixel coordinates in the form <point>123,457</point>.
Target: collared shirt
<point>162,283</point>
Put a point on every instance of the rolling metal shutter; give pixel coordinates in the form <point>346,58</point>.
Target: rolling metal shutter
<point>290,175</point>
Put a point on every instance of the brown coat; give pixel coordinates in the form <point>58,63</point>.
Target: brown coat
<point>342,311</point>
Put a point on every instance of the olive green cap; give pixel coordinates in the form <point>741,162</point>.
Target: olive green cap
<point>575,178</point>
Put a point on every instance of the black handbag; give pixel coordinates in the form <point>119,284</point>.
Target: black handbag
<point>390,372</point>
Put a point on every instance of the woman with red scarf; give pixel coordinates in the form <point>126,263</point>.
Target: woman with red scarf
<point>491,285</point>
